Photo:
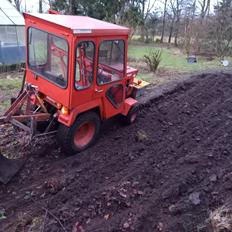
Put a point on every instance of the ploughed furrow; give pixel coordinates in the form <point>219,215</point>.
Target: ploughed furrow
<point>164,173</point>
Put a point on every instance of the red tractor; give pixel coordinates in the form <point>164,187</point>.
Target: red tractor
<point>76,76</point>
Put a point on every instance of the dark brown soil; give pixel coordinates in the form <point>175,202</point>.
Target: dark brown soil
<point>164,173</point>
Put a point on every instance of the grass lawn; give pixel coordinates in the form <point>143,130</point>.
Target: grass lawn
<point>173,58</point>
<point>8,84</point>
<point>9,87</point>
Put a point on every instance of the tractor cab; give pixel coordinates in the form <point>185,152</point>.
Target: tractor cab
<point>79,63</point>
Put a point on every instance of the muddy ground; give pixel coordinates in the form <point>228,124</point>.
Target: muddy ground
<point>166,173</point>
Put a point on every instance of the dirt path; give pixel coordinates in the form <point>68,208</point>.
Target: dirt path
<point>165,173</point>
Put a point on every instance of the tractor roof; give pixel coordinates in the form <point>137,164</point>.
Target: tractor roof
<point>82,24</point>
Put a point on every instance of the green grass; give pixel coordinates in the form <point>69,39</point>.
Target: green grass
<point>173,59</point>
<point>8,84</point>
<point>8,88</point>
<point>4,105</point>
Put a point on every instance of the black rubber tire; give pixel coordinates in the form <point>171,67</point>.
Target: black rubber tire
<point>65,135</point>
<point>127,120</point>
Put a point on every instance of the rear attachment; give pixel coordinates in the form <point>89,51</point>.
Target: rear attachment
<point>26,111</point>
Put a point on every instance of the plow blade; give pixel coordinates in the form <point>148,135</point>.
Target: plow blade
<point>9,168</point>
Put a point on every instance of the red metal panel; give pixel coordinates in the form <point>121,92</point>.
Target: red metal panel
<point>81,23</point>
<point>68,120</point>
<point>80,97</point>
<point>129,102</point>
<point>48,88</point>
<point>108,109</point>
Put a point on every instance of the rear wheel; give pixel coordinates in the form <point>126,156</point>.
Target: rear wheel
<point>81,135</point>
<point>132,115</point>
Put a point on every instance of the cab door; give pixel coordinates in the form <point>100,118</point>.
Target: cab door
<point>84,72</point>
<point>110,76</point>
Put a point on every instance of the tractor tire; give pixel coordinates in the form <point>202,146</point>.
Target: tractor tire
<point>131,117</point>
<point>81,135</point>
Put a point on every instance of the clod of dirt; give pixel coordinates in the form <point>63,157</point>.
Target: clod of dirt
<point>141,136</point>
<point>107,216</point>
<point>171,191</point>
<point>126,225</point>
<point>213,178</point>
<point>195,198</point>
<point>179,207</point>
<point>190,159</point>
<point>2,214</point>
<point>160,226</point>
<point>228,177</point>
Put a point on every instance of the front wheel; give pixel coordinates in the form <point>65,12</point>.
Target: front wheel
<point>132,115</point>
<point>81,135</point>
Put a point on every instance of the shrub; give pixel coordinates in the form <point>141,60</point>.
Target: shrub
<point>153,60</point>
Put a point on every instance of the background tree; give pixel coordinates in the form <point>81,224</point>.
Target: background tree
<point>177,8</point>
<point>164,21</point>
<point>189,26</point>
<point>152,24</point>
<point>171,19</point>
<point>188,23</point>
<point>17,4</point>
<point>132,18</point>
<point>40,6</point>
<point>204,8</point>
<point>146,6</point>
<point>223,27</point>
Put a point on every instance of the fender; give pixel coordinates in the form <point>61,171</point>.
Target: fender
<point>128,103</point>
<point>69,119</point>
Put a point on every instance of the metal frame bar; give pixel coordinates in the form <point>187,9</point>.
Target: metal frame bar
<point>17,117</point>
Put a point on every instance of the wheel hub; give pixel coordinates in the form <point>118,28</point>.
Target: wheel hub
<point>84,134</point>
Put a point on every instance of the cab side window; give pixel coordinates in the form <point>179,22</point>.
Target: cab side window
<point>84,64</point>
<point>48,56</point>
<point>110,61</point>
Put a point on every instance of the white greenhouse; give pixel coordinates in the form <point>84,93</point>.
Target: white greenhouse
<point>12,35</point>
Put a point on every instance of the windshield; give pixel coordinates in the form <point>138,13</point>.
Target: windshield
<point>48,56</point>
